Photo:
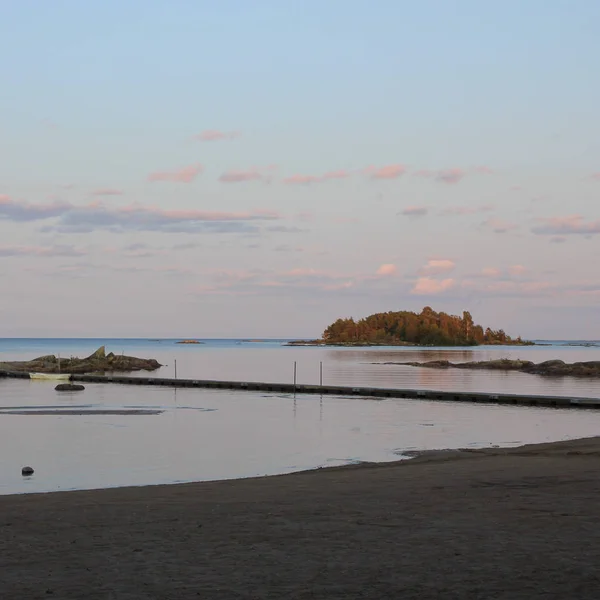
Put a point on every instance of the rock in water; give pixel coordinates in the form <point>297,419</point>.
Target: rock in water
<point>69,387</point>
<point>26,471</point>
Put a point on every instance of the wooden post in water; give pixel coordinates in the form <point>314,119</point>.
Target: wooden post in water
<point>321,373</point>
<point>295,370</point>
<point>175,368</point>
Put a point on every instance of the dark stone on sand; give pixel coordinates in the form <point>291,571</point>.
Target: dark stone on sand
<point>26,471</point>
<point>69,387</point>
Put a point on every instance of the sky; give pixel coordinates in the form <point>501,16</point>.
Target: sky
<point>263,167</point>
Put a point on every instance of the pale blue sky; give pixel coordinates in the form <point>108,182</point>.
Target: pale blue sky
<point>97,96</point>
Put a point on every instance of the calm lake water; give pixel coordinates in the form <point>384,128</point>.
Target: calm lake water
<point>270,361</point>
<point>213,434</point>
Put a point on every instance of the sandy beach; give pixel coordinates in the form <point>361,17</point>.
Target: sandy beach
<point>511,524</point>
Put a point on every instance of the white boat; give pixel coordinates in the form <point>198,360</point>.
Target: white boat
<point>51,376</point>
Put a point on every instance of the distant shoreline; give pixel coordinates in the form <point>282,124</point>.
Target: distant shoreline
<point>322,343</point>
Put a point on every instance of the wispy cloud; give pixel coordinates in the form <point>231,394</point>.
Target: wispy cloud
<point>40,251</point>
<point>452,175</point>
<point>214,135</point>
<point>457,211</point>
<point>17,210</point>
<point>140,218</point>
<point>106,192</point>
<point>491,272</point>
<point>306,280</point>
<point>414,211</point>
<point>499,226</point>
<point>251,174</point>
<point>569,225</point>
<point>517,270</point>
<point>183,175</point>
<point>97,215</point>
<point>386,172</point>
<point>308,179</point>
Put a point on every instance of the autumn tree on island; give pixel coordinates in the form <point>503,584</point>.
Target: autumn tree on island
<point>426,328</point>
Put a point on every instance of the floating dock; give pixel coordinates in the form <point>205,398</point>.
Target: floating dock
<point>335,390</point>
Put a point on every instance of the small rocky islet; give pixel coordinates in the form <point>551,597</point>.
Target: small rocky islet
<point>97,362</point>
<point>556,368</point>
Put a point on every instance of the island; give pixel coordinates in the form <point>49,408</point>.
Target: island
<point>98,362</point>
<point>190,342</point>
<point>556,368</point>
<point>405,328</point>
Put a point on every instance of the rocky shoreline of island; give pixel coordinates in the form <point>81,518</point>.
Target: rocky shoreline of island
<point>98,362</point>
<point>555,368</point>
<point>393,344</point>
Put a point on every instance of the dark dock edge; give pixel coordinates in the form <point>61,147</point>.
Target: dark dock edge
<point>334,390</point>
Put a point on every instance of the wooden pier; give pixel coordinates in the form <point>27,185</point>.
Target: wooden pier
<point>334,390</point>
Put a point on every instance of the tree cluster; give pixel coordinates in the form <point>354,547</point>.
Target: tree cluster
<point>426,328</point>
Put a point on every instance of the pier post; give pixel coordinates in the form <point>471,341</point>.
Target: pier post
<point>175,368</point>
<point>295,377</point>
<point>321,373</point>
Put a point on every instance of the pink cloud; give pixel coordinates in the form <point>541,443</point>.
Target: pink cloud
<point>490,272</point>
<point>340,174</point>
<point>305,216</point>
<point>345,220</point>
<point>415,211</point>
<point>106,192</point>
<point>344,285</point>
<point>428,286</point>
<point>483,170</point>
<point>308,179</point>
<point>302,179</point>
<point>437,267</point>
<point>251,174</point>
<point>499,226</point>
<point>571,224</point>
<point>387,269</point>
<point>41,251</point>
<point>453,175</point>
<point>517,270</point>
<point>302,272</point>
<point>596,176</point>
<point>466,210</point>
<point>450,176</point>
<point>184,175</point>
<point>213,135</point>
<point>386,172</point>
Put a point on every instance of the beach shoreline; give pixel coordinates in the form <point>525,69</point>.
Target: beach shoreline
<point>500,522</point>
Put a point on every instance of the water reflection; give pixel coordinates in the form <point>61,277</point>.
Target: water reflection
<point>346,366</point>
<point>208,434</point>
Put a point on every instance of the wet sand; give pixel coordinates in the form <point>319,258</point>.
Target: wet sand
<point>510,524</point>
